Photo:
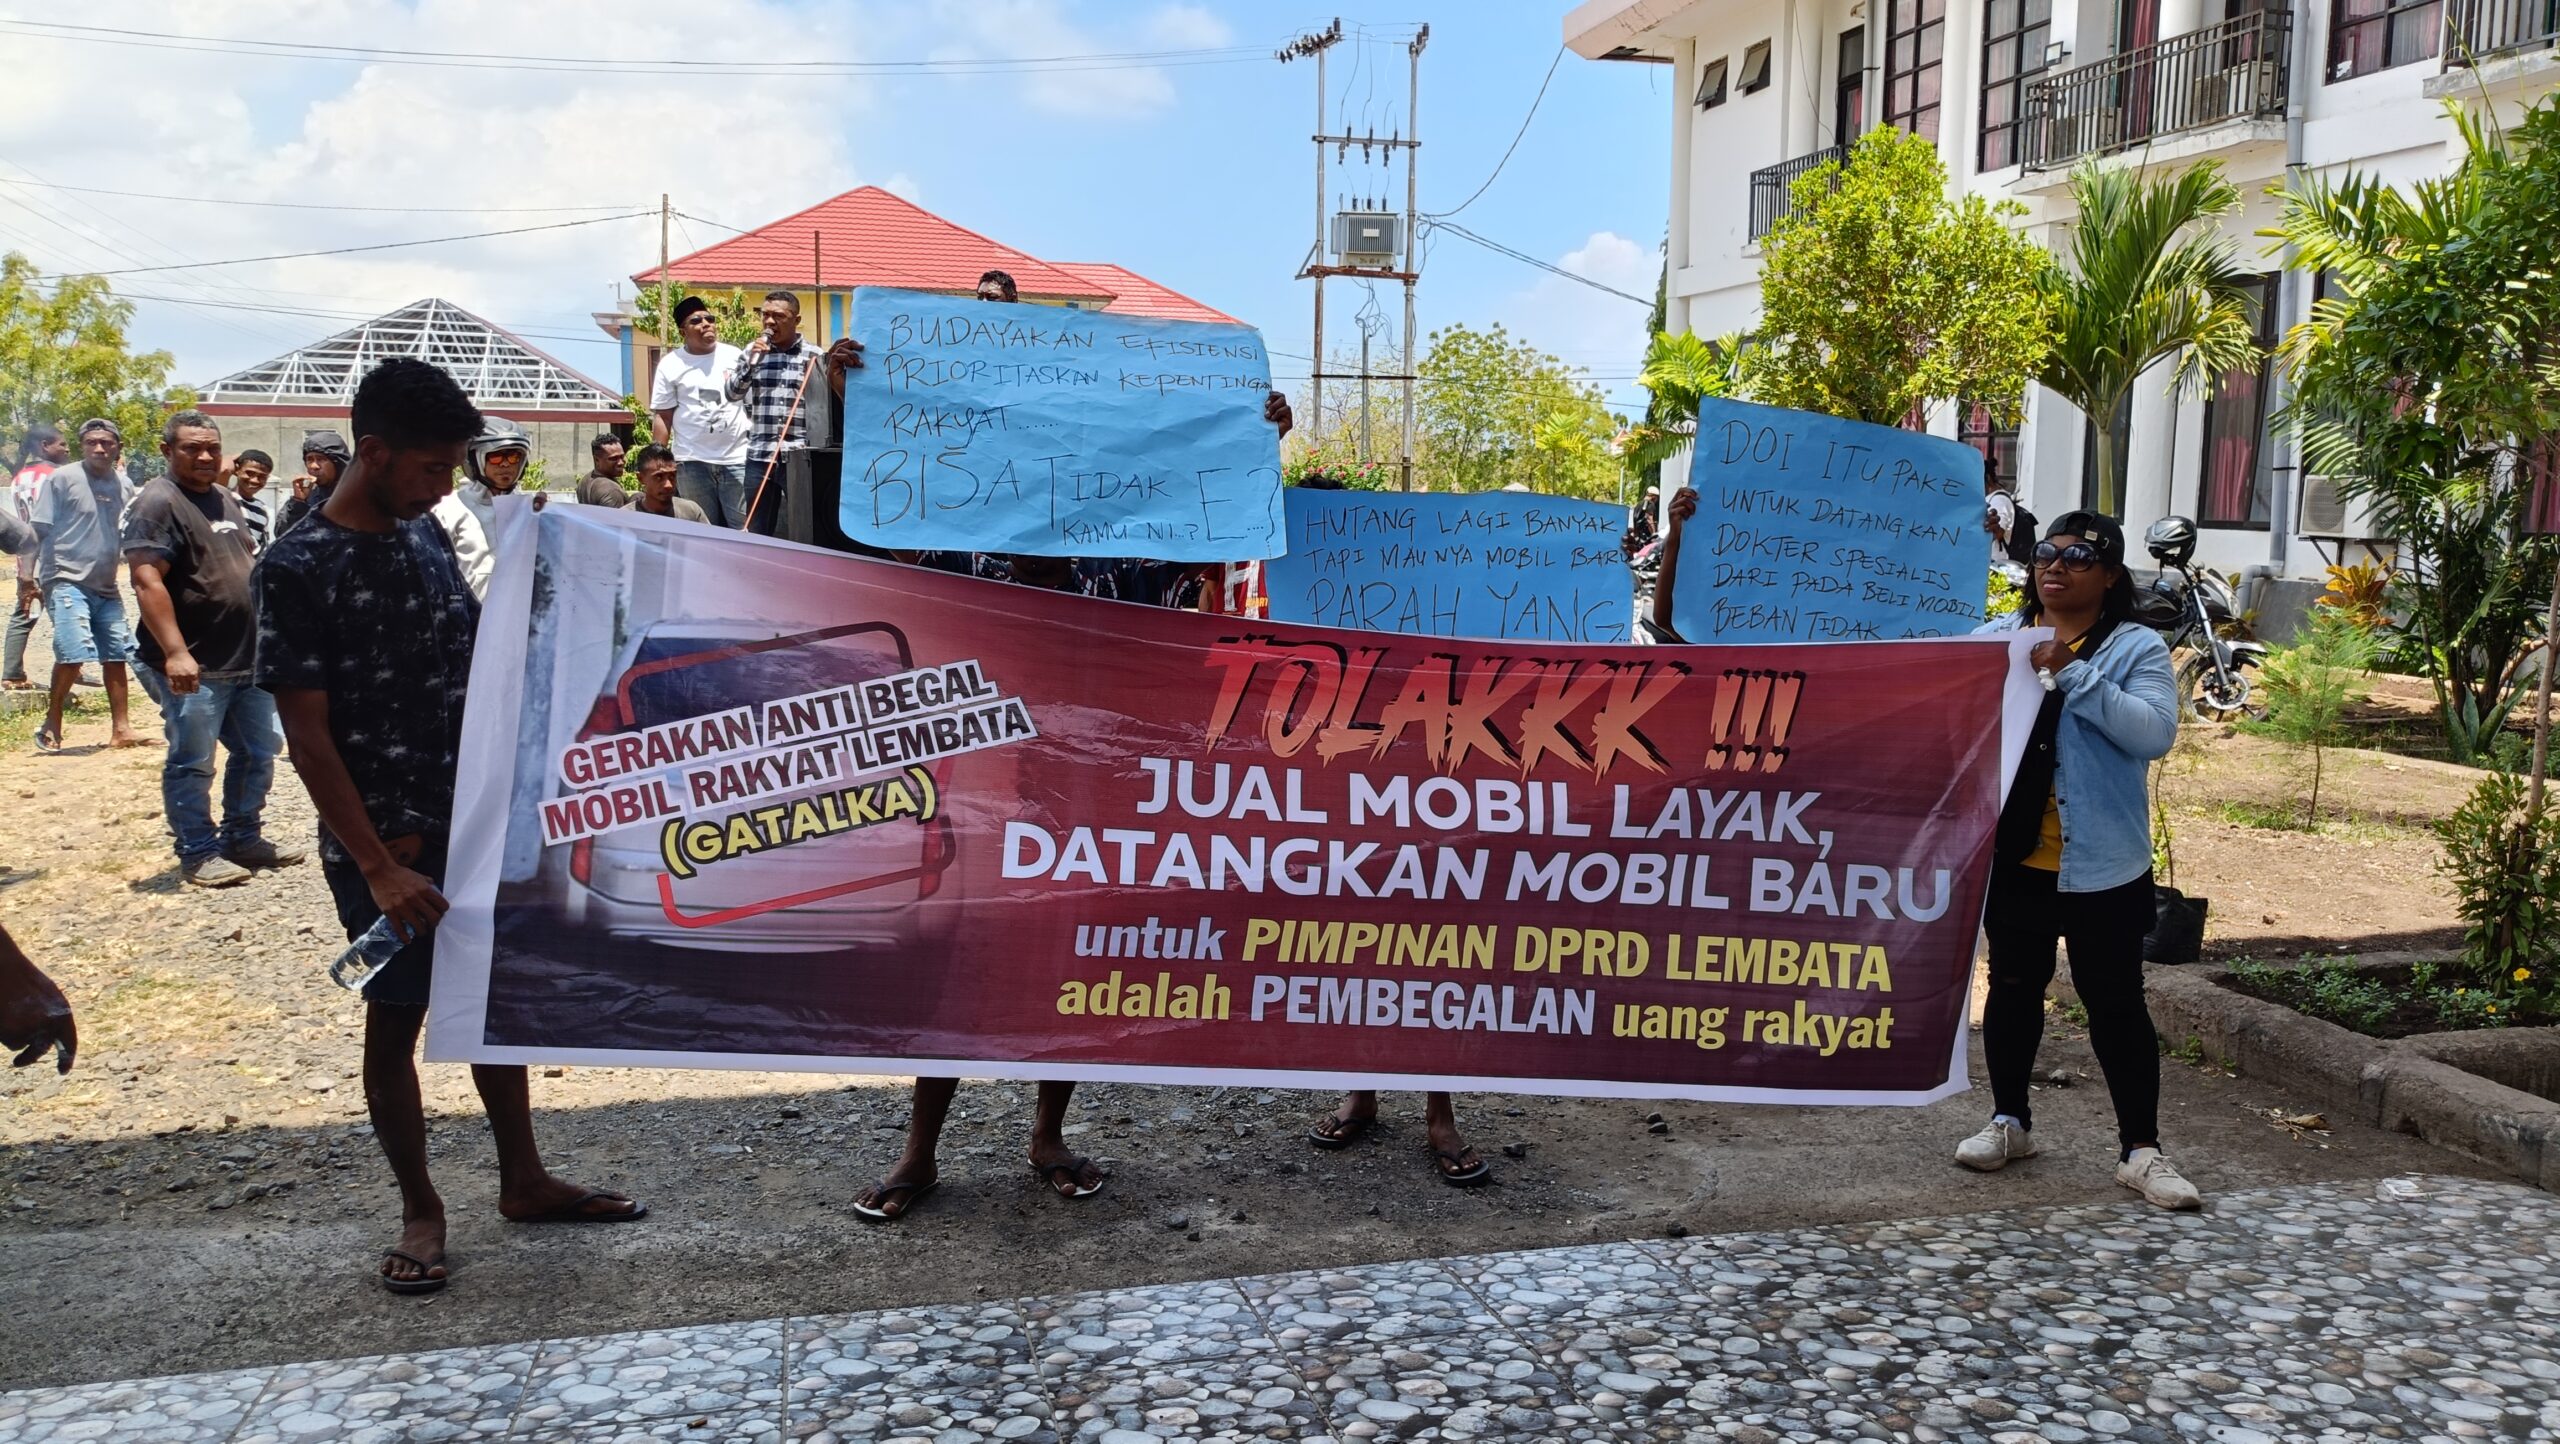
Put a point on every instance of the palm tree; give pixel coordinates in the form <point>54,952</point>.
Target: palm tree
<point>2422,383</point>
<point>2148,282</point>
<point>1680,371</point>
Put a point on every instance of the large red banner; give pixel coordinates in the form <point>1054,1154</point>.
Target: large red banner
<point>731,802</point>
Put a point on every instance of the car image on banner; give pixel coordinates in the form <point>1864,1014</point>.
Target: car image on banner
<point>857,889</point>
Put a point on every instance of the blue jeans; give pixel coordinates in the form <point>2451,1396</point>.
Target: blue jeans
<point>243,720</point>
<point>87,627</point>
<point>22,625</point>
<point>721,491</point>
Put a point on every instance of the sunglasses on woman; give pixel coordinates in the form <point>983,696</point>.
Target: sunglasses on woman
<point>2077,557</point>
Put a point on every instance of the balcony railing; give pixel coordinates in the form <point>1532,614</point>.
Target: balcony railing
<point>1773,188</point>
<point>2238,70</point>
<point>2484,29</point>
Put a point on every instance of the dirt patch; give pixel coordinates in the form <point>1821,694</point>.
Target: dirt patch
<point>202,1192</point>
<point>2364,880</point>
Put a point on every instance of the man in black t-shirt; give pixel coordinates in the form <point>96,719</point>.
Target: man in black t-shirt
<point>364,636</point>
<point>191,549</point>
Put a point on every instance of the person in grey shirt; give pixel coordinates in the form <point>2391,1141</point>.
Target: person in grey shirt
<point>79,516</point>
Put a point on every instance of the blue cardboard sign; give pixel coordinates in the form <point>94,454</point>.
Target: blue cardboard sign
<point>995,427</point>
<point>1814,529</point>
<point>1493,565</point>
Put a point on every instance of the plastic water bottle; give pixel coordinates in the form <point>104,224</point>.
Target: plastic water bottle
<point>367,956</point>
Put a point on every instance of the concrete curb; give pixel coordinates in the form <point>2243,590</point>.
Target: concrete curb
<point>2389,1083</point>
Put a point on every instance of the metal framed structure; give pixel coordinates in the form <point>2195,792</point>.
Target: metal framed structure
<point>496,368</point>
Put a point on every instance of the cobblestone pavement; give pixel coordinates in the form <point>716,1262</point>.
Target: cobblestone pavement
<point>2417,1308</point>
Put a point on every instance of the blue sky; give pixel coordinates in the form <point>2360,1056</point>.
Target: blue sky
<point>1198,174</point>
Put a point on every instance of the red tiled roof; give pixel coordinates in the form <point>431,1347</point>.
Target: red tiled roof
<point>1137,296</point>
<point>868,237</point>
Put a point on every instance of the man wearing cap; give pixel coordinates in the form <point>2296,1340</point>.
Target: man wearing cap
<point>325,457</point>
<point>44,450</point>
<point>692,410</point>
<point>76,515</point>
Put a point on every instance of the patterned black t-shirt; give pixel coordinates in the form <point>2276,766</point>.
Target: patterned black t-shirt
<point>382,622</point>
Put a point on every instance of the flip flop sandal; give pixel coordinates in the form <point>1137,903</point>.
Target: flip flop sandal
<point>1453,1172</point>
<point>575,1211</point>
<point>1069,1170</point>
<point>426,1284</point>
<point>915,1193</point>
<point>48,740</point>
<point>1333,1132</point>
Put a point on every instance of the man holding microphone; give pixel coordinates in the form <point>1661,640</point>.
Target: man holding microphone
<point>771,381</point>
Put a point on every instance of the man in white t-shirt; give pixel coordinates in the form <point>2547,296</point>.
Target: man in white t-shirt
<point>689,398</point>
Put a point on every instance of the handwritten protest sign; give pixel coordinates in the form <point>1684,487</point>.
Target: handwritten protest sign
<point>982,426</point>
<point>730,802</point>
<point>1498,565</point>
<point>1814,529</point>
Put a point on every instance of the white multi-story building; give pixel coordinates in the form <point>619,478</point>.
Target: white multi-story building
<point>2015,92</point>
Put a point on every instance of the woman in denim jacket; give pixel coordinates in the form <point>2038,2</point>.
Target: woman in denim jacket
<point>2073,859</point>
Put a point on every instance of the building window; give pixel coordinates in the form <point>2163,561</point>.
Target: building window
<point>1914,64</point>
<point>1998,444</point>
<point>2234,490</point>
<point>1755,68</point>
<point>1711,84</point>
<point>2014,36</point>
<point>2370,35</point>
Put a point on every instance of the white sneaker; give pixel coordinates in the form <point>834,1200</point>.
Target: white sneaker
<point>2150,1173</point>
<point>1999,1141</point>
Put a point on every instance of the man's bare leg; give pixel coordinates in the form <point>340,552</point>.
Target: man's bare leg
<point>916,1167</point>
<point>1049,1148</point>
<point>119,719</point>
<point>527,1193</point>
<point>400,1125</point>
<point>1440,1119</point>
<point>66,675</point>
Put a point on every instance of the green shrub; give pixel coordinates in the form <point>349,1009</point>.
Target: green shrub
<point>2504,865</point>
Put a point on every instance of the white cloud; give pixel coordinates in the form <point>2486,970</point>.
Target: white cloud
<point>1600,333</point>
<point>1024,29</point>
<point>248,128</point>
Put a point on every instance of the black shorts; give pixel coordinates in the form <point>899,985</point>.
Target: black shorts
<point>405,980</point>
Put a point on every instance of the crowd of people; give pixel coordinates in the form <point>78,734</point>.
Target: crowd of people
<point>338,630</point>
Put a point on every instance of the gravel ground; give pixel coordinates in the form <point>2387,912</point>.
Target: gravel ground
<point>201,1191</point>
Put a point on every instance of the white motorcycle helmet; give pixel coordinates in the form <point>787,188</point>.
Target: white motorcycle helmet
<point>496,435</point>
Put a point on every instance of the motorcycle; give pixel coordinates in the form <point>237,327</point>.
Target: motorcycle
<point>2193,607</point>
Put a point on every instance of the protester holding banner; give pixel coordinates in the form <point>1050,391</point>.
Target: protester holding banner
<point>493,465</point>
<point>365,636</point>
<point>2072,860</point>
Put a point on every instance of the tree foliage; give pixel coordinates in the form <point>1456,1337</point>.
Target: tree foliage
<point>738,315</point>
<point>2148,281</point>
<point>2425,382</point>
<point>1493,411</point>
<point>1880,296</point>
<point>64,359</point>
<point>1679,372</point>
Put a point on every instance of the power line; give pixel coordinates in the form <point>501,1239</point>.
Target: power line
<point>307,205</point>
<point>1515,139</point>
<point>383,246</point>
<point>1526,259</point>
<point>607,65</point>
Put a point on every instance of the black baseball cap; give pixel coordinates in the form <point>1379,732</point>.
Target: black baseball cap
<point>2098,529</point>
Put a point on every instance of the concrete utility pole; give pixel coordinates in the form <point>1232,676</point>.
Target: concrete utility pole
<point>666,312</point>
<point>1314,44</point>
<point>1319,265</point>
<point>1412,223</point>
